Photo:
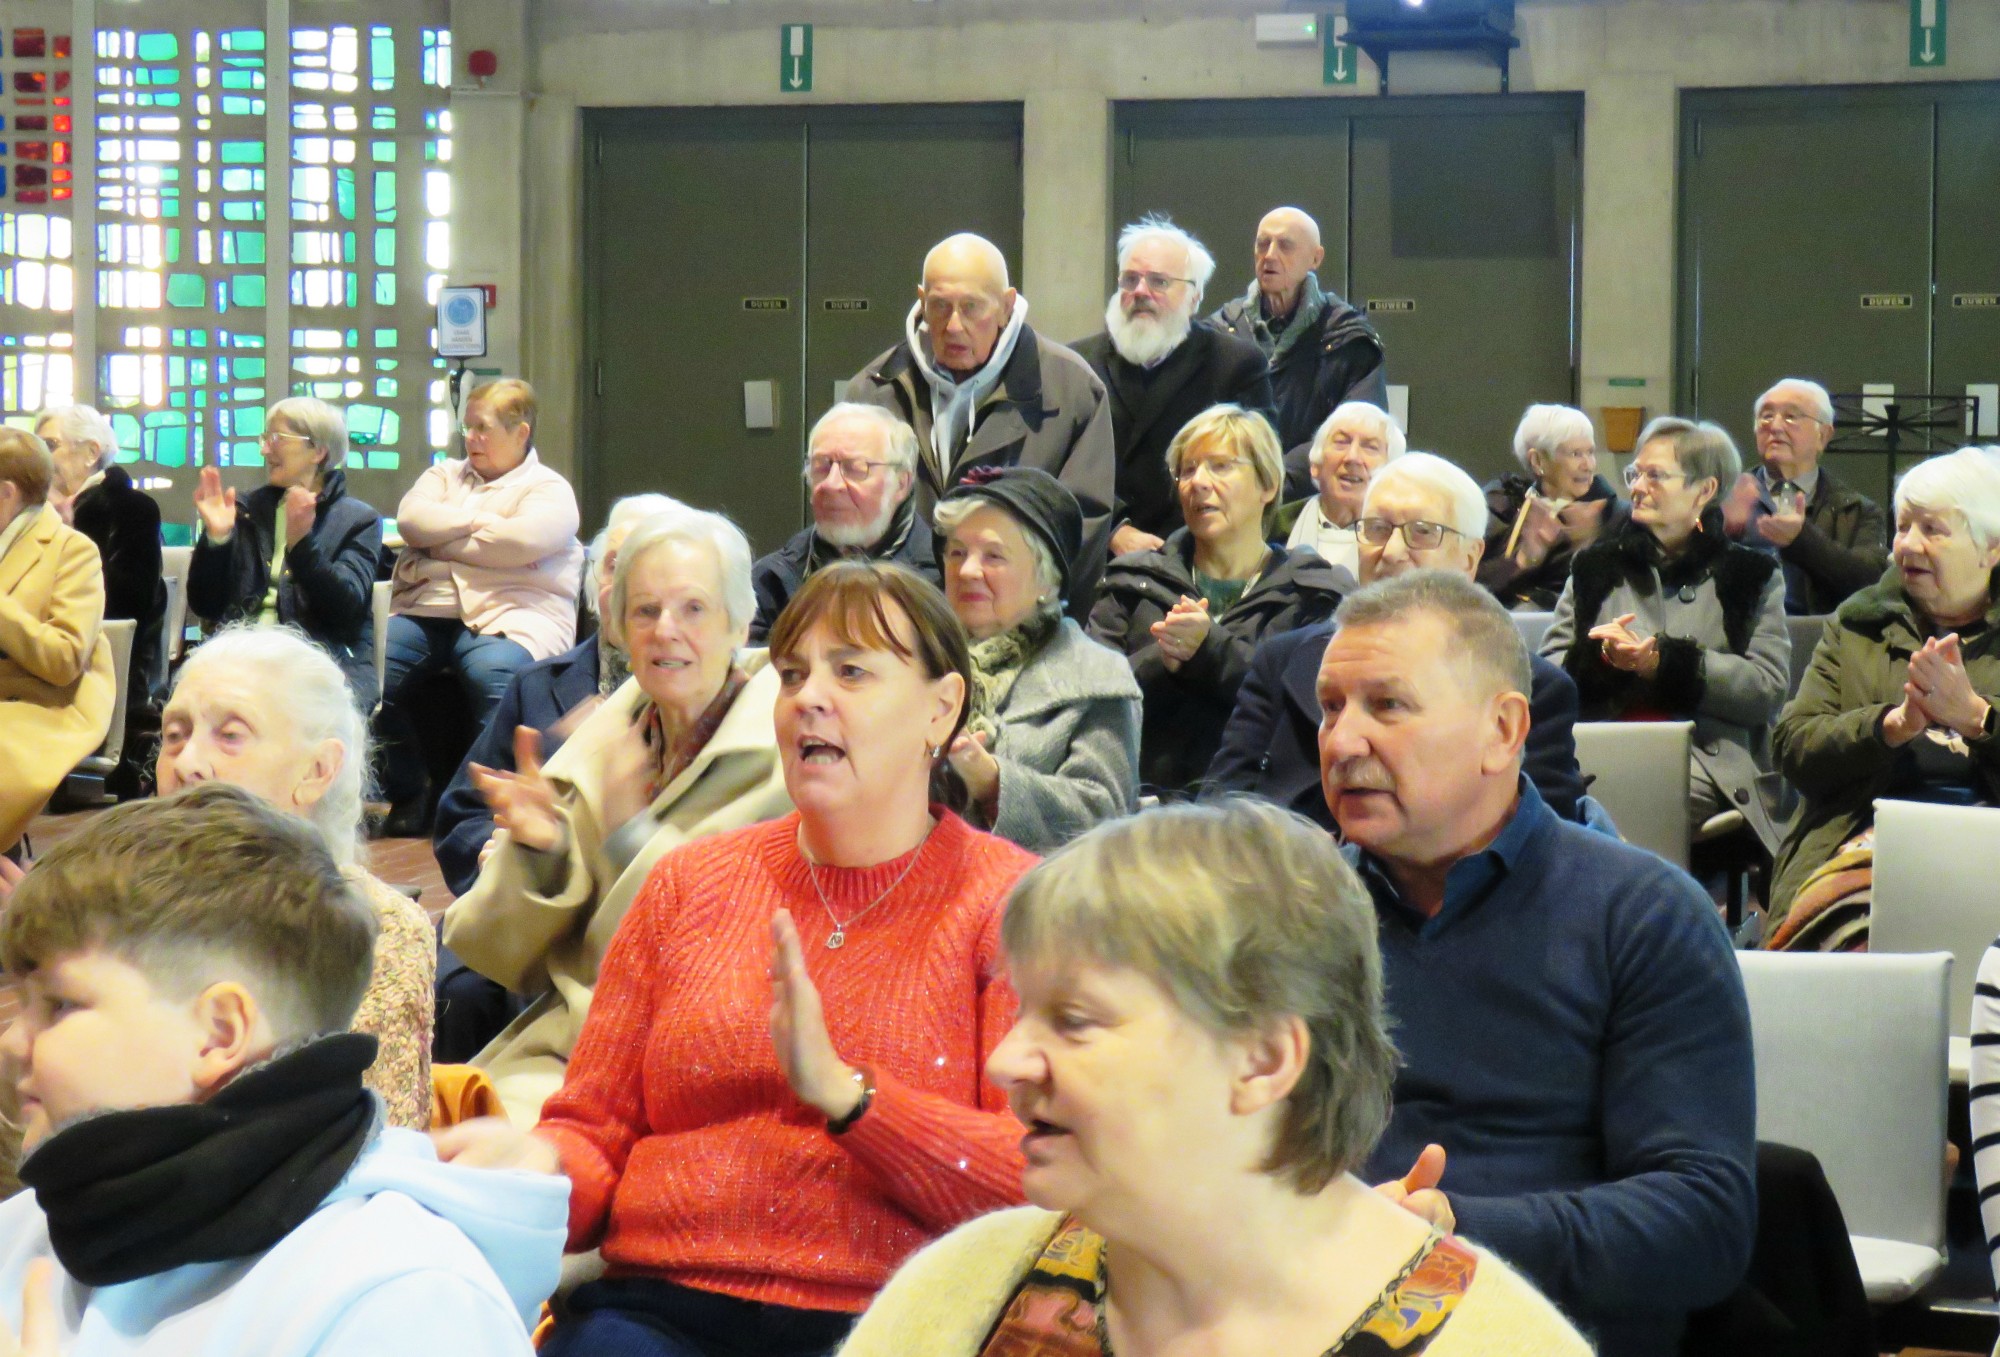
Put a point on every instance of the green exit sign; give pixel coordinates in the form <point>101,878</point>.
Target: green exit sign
<point>795,58</point>
<point>1927,23</point>
<point>1338,65</point>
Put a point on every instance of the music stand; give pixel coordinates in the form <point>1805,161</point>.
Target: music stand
<point>1899,424</point>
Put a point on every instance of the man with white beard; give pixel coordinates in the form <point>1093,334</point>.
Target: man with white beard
<point>1162,369</point>
<point>861,464</point>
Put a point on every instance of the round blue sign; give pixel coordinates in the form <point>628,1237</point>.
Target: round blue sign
<point>460,311</point>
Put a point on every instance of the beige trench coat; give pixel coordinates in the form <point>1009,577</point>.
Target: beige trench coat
<point>551,945</point>
<point>57,688</point>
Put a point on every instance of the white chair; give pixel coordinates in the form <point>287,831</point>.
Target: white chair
<point>1639,772</point>
<point>1806,633</point>
<point>1533,626</point>
<point>1937,889</point>
<point>1850,1055</point>
<point>379,599</point>
<point>85,783</point>
<point>174,563</point>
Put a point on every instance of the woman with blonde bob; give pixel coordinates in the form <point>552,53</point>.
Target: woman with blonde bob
<point>1189,615</point>
<point>1201,1060</point>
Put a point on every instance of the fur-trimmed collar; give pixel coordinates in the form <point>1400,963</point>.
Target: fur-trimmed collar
<point>1632,554</point>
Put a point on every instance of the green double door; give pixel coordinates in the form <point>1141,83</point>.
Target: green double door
<point>729,249</point>
<point>1453,220</point>
<point>1844,235</point>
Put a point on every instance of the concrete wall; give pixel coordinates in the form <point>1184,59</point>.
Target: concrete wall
<point>1066,61</point>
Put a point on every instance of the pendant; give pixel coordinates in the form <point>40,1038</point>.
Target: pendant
<point>835,939</point>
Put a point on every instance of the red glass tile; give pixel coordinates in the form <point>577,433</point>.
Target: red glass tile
<point>59,176</point>
<point>60,194</point>
<point>32,195</point>
<point>38,123</point>
<point>30,82</point>
<point>62,80</point>
<point>31,150</point>
<point>59,47</point>
<point>59,152</point>
<point>30,42</point>
<point>62,122</point>
<point>30,174</point>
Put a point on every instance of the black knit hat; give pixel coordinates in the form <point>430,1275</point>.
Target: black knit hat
<point>1042,503</point>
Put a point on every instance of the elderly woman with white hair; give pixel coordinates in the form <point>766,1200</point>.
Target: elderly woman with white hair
<point>1051,744</point>
<point>1899,700</point>
<point>1356,441</point>
<point>96,497</point>
<point>1541,516</point>
<point>300,550</point>
<point>1189,615</point>
<point>262,708</point>
<point>683,750</point>
<point>1667,619</point>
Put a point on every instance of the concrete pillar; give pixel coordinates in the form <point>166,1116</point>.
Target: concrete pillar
<point>1066,203</point>
<point>1627,325</point>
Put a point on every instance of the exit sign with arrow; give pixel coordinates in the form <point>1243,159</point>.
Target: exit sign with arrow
<point>1338,66</point>
<point>1927,23</point>
<point>795,59</point>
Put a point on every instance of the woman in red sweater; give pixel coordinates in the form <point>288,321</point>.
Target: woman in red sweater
<point>779,1093</point>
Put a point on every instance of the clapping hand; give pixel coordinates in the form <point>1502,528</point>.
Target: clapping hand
<point>301,507</point>
<point>1624,650</point>
<point>1541,529</point>
<point>1180,633</point>
<point>523,801</point>
<point>215,506</point>
<point>979,769</point>
<point>38,1314</point>
<point>1740,503</point>
<point>1781,527</point>
<point>495,1143</point>
<point>1418,1193</point>
<point>1582,519</point>
<point>1943,690</point>
<point>798,1029</point>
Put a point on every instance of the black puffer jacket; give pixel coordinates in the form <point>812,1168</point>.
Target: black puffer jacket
<point>1186,709</point>
<point>327,584</point>
<point>1339,360</point>
<point>1541,586</point>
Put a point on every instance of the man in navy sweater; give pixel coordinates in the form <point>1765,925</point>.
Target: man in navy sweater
<point>1270,747</point>
<point>1568,1007</point>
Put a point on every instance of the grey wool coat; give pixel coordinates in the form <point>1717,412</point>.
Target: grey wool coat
<point>1068,743</point>
<point>1725,652</point>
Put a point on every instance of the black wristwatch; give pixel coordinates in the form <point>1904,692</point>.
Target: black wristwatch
<point>867,1082</point>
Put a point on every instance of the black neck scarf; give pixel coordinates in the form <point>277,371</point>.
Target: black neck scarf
<point>134,1194</point>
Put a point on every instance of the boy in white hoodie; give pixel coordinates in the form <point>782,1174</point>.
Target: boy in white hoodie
<point>208,1173</point>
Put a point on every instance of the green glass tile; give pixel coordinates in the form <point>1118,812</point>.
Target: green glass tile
<point>246,421</point>
<point>159,77</point>
<point>201,400</point>
<point>385,339</point>
<point>168,447</point>
<point>247,289</point>
<point>382,152</point>
<point>246,393</point>
<point>177,399</point>
<point>242,152</point>
<point>354,339</point>
<point>177,369</point>
<point>385,364</point>
<point>382,60</point>
<point>353,289</point>
<point>385,289</point>
<point>385,247</point>
<point>241,80</point>
<point>178,338</point>
<point>343,194</point>
<point>173,244</point>
<point>249,246</point>
<point>184,289</point>
<point>243,40</point>
<point>243,212</point>
<point>241,181</point>
<point>382,460</point>
<point>383,119</point>
<point>165,101</point>
<point>197,339</point>
<point>385,388</point>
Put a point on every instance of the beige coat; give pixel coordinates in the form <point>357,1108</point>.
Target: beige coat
<point>551,945</point>
<point>57,689</point>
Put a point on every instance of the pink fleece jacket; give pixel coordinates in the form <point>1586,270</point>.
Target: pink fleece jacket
<point>501,555</point>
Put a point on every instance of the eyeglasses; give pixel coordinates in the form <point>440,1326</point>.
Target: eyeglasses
<point>1636,476</point>
<point>1129,281</point>
<point>1791,419</point>
<point>1418,534</point>
<point>1216,467</point>
<point>853,470</point>
<point>972,310</point>
<point>481,430</point>
<point>273,435</point>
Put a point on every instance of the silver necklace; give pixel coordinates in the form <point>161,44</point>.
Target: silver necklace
<point>838,938</point>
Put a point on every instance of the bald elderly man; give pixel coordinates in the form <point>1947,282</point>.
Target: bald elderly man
<point>982,389</point>
<point>1322,351</point>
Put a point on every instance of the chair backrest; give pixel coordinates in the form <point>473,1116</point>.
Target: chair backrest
<point>1806,633</point>
<point>118,635</point>
<point>1850,1051</point>
<point>1533,626</point>
<point>174,563</point>
<point>1639,772</point>
<point>1937,888</point>
<point>380,600</point>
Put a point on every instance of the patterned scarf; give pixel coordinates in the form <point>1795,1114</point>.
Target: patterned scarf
<point>1058,1311</point>
<point>670,763</point>
<point>998,660</point>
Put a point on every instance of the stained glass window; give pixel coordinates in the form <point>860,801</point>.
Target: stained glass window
<point>241,237</point>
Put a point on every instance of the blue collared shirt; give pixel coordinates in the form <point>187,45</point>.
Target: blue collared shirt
<point>1472,879</point>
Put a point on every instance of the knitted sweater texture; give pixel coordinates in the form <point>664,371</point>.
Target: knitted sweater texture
<point>689,1156</point>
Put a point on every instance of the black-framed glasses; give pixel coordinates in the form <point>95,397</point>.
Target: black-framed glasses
<point>1418,534</point>
<point>1129,281</point>
<point>853,470</point>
